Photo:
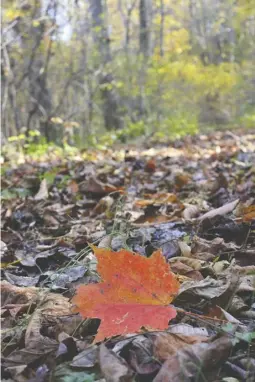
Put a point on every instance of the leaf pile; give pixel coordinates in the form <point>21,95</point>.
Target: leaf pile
<point>187,206</point>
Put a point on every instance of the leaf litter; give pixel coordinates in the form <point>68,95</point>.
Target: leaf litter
<point>191,205</point>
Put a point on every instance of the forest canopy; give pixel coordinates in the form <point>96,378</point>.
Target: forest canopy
<point>86,71</point>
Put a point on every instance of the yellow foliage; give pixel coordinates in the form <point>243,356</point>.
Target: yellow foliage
<point>11,14</point>
<point>177,41</point>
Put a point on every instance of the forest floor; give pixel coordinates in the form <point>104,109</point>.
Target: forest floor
<point>194,199</point>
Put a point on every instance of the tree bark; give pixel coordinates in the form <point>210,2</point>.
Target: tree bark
<point>145,9</point>
<point>111,113</point>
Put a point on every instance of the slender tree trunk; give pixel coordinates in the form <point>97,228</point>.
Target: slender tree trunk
<point>145,14</point>
<point>145,27</point>
<point>161,33</point>
<point>112,117</point>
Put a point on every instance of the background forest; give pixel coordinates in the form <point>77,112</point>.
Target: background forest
<point>97,71</point>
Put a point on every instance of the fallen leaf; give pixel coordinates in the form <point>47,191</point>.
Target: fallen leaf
<point>246,213</point>
<point>150,166</point>
<point>185,249</point>
<point>43,191</point>
<point>188,330</point>
<point>87,358</point>
<point>21,280</point>
<point>73,187</point>
<point>223,210</point>
<point>168,344</point>
<point>61,279</point>
<point>105,242</point>
<point>193,362</point>
<point>114,368</point>
<point>104,205</point>
<point>157,199</point>
<point>3,248</point>
<point>195,264</point>
<point>219,291</point>
<point>141,357</point>
<point>95,186</point>
<point>190,212</point>
<point>11,294</point>
<point>135,292</point>
<point>181,179</point>
<point>218,312</point>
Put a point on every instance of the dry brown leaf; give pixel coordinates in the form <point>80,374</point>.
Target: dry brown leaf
<point>103,205</point>
<point>223,210</point>
<point>188,330</point>
<point>11,294</point>
<point>194,264</point>
<point>157,199</point>
<point>43,191</point>
<point>168,344</point>
<point>246,213</point>
<point>73,187</point>
<point>181,179</point>
<point>220,291</point>
<point>190,212</point>
<point>218,312</point>
<point>114,368</point>
<point>193,362</point>
<point>185,249</point>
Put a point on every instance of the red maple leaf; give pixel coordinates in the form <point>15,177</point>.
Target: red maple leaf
<point>135,292</point>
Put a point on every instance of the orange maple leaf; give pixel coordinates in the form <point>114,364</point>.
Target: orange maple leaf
<point>135,292</point>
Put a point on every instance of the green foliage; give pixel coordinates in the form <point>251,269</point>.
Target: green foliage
<point>49,176</point>
<point>63,373</point>
<point>131,131</point>
<point>248,120</point>
<point>230,328</point>
<point>14,193</point>
<point>178,125</point>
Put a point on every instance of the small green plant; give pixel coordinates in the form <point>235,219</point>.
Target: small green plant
<point>132,131</point>
<point>248,120</point>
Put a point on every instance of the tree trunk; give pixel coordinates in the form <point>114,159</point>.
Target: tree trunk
<point>145,27</point>
<point>112,117</point>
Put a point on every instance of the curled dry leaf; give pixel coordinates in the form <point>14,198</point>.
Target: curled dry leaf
<point>135,292</point>
<point>11,294</point>
<point>105,242</point>
<point>168,344</point>
<point>246,213</point>
<point>43,191</point>
<point>221,291</point>
<point>47,304</point>
<point>157,199</point>
<point>218,312</point>
<point>3,248</point>
<point>185,249</point>
<point>188,330</point>
<point>193,361</point>
<point>87,358</point>
<point>150,166</point>
<point>114,368</point>
<point>21,280</point>
<point>223,210</point>
<point>104,205</point>
<point>190,212</point>
<point>95,186</point>
<point>192,263</point>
